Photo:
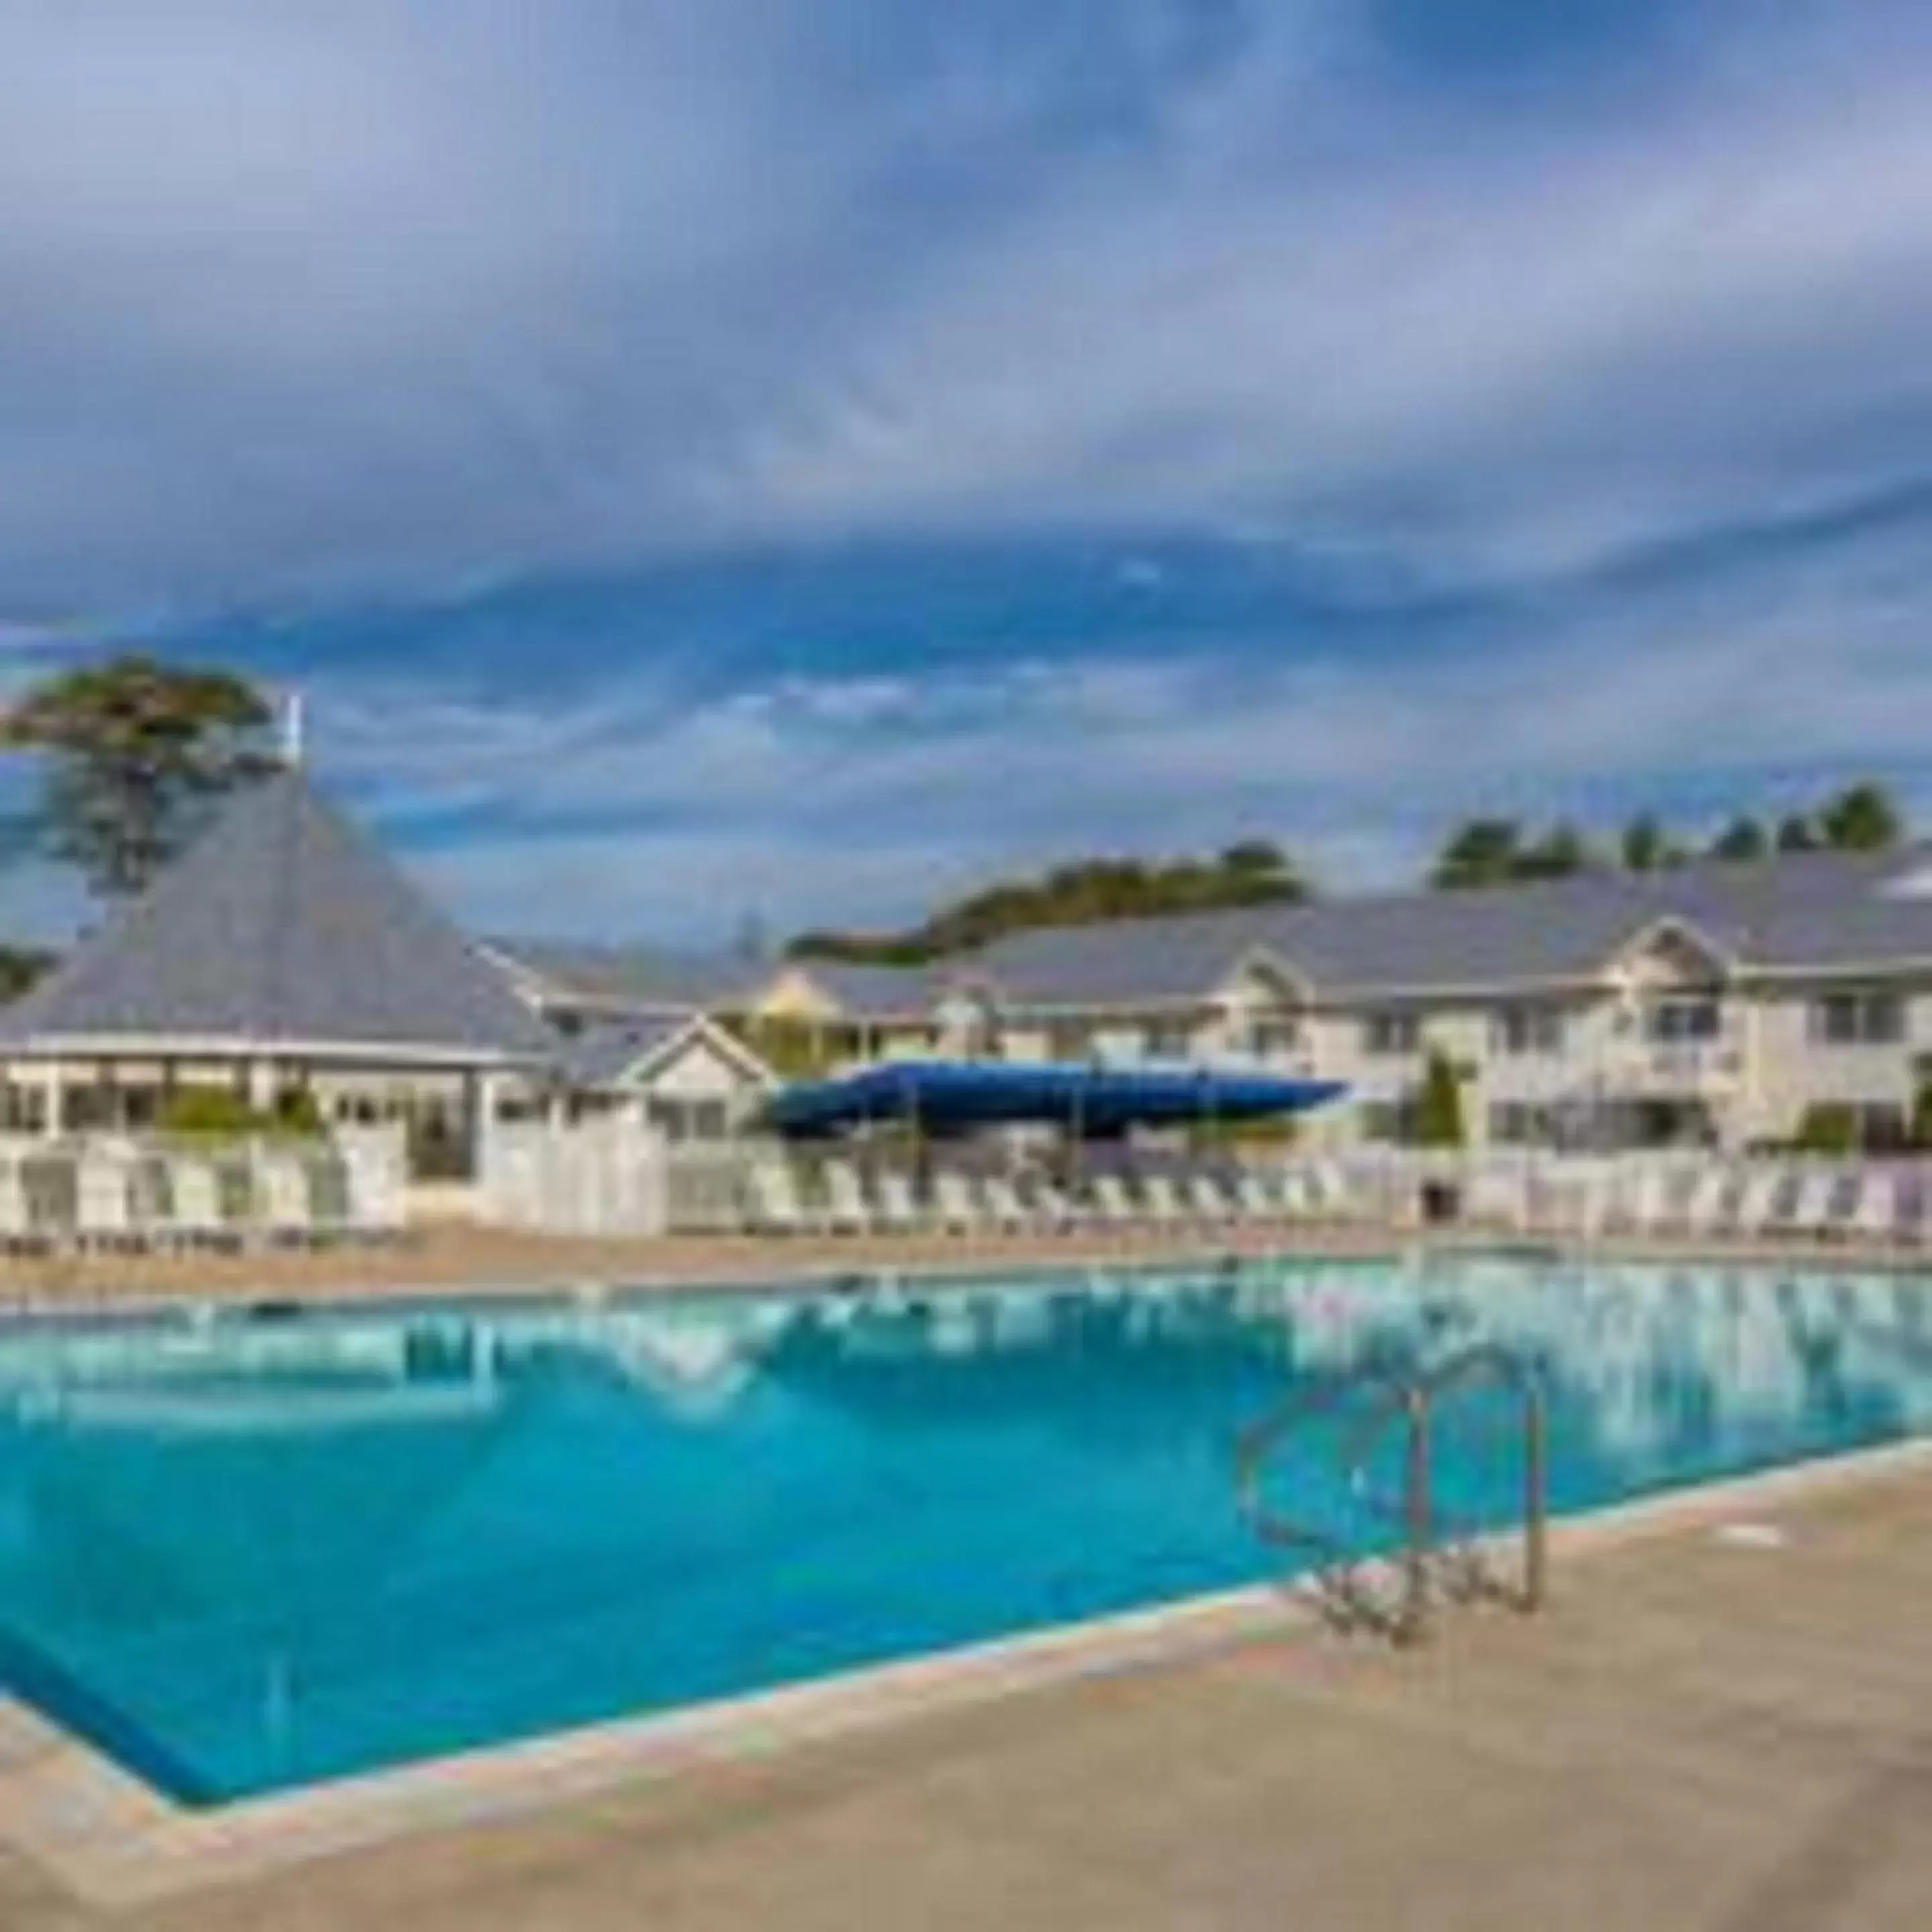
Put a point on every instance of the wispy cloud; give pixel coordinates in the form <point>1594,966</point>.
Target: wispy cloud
<point>307,298</point>
<point>819,797</point>
<point>1571,355</point>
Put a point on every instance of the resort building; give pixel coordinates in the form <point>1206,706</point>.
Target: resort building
<point>685,1074</point>
<point>284,961</point>
<point>1732,1005</point>
<point>639,1029</point>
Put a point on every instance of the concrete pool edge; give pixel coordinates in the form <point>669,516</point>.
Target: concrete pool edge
<point>817,1262</point>
<point>113,1840</point>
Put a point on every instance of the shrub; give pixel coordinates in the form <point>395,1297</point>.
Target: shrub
<point>1921,1116</point>
<point>206,1110</point>
<point>1438,1105</point>
<point>221,1112</point>
<point>296,1112</point>
<point>1828,1128</point>
<point>1272,1131</point>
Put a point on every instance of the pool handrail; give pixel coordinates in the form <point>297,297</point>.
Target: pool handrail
<point>1338,1573</point>
<point>1409,1397</point>
<point>1510,1371</point>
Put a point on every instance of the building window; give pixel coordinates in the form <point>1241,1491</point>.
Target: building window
<point>1858,1019</point>
<point>1521,1123</point>
<point>1388,1036</point>
<point>1384,1121</point>
<point>1168,1040</point>
<point>1068,1039</point>
<point>1274,1033</point>
<point>1683,1022</point>
<point>1516,1031</point>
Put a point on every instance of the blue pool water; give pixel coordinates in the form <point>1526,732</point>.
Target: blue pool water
<point>245,1554</point>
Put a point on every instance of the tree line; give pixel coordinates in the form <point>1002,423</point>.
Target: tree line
<point>1863,817</point>
<point>1254,872</point>
<point>1484,852</point>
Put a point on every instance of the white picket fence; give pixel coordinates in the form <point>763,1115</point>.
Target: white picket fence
<point>605,1176</point>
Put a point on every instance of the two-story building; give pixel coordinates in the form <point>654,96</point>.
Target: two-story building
<point>1715,1003</point>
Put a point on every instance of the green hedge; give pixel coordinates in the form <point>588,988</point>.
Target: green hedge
<point>1828,1129</point>
<point>221,1112</point>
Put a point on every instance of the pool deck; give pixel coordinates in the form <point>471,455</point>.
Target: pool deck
<point>455,1257</point>
<point>1708,1730</point>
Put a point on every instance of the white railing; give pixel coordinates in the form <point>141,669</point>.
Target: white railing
<point>605,1175</point>
<point>1687,1063</point>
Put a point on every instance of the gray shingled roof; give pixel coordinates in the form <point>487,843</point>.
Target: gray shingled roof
<point>600,1056</point>
<point>281,924</point>
<point>1826,910</point>
<point>871,992</point>
<point>632,975</point>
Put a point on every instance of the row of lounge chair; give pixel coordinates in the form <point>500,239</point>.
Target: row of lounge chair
<point>1691,1202</point>
<point>957,1202</point>
<point>1753,1201</point>
<point>107,1197</point>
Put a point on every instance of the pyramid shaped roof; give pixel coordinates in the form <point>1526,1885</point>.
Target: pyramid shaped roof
<point>283,926</point>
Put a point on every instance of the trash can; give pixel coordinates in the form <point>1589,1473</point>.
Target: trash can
<point>1442,1203</point>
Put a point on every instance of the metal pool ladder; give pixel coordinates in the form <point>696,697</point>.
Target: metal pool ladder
<point>1407,1400</point>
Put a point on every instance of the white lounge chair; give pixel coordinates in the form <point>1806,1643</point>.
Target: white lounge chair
<point>1058,1210</point>
<point>372,1171</point>
<point>1825,1203</point>
<point>846,1210</point>
<point>1703,1205</point>
<point>899,1210</point>
<point>1113,1206</point>
<point>282,1194</point>
<point>331,1204</point>
<point>1162,1201</point>
<point>49,1186</point>
<point>1258,1200</point>
<point>103,1201</point>
<point>775,1205</point>
<point>14,1235</point>
<point>150,1192</point>
<point>957,1209</point>
<point>1804,1205</point>
<point>1009,1210</point>
<point>1873,1214</point>
<point>1208,1198</point>
<point>1637,1205</point>
<point>1324,1191</point>
<point>1497,1199</point>
<point>1756,1199</point>
<point>1911,1192</point>
<point>195,1195</point>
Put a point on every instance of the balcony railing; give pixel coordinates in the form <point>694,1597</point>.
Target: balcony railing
<point>1703,1063</point>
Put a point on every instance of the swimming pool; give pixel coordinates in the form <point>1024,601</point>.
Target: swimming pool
<point>244,1554</point>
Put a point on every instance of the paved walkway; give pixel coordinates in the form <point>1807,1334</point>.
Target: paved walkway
<point>1702,1734</point>
<point>454,1256</point>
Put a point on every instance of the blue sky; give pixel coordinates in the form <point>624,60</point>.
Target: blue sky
<point>710,456</point>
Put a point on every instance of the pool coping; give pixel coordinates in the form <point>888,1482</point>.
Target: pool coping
<point>935,1259</point>
<point>113,1840</point>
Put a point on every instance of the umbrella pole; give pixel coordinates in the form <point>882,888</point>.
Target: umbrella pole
<point>922,1166</point>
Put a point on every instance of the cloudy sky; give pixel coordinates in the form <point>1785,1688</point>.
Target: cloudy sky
<point>710,457</point>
